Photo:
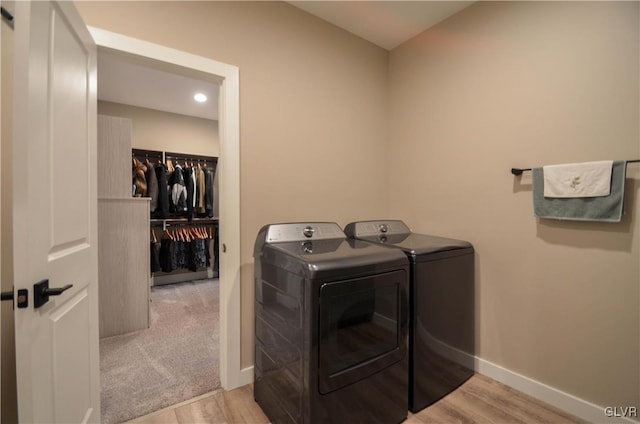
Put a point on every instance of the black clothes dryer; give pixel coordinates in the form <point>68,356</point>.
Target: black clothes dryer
<point>331,318</point>
<point>441,299</point>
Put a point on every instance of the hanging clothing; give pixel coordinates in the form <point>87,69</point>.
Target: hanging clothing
<point>138,170</point>
<point>216,206</point>
<point>180,254</point>
<point>173,254</point>
<point>200,189</point>
<point>197,254</point>
<point>172,206</point>
<point>166,255</point>
<point>193,181</point>
<point>155,257</point>
<point>178,191</point>
<point>216,250</point>
<point>208,193</point>
<point>152,186</point>
<point>189,182</point>
<point>162,207</point>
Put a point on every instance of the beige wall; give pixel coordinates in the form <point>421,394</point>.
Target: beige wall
<point>157,130</point>
<point>313,110</point>
<point>8,372</point>
<point>499,85</point>
<point>520,84</point>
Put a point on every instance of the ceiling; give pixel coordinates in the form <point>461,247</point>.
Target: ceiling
<point>126,80</point>
<point>384,23</point>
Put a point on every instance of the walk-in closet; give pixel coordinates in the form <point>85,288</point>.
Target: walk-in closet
<point>158,232</point>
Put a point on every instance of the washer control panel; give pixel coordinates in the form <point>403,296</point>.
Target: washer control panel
<point>301,231</point>
<point>376,228</point>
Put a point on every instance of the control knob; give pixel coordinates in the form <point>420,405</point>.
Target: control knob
<point>308,231</point>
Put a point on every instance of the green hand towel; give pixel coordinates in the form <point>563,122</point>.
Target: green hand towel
<point>603,209</point>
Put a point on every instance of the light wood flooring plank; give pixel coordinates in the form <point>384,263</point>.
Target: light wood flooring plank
<point>162,417</point>
<point>206,410</point>
<point>239,406</point>
<point>480,400</point>
<point>518,404</point>
<point>483,400</point>
<point>488,411</point>
<point>436,414</point>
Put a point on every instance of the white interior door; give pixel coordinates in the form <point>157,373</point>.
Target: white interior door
<point>55,214</point>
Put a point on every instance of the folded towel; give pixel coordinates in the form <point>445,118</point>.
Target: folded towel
<point>606,208</point>
<point>587,179</point>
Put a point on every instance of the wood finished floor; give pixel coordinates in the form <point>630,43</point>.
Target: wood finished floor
<point>479,400</point>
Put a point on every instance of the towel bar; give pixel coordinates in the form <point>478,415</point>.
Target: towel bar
<point>519,171</point>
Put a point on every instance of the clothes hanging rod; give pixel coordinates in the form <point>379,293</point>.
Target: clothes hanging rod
<point>519,171</point>
<point>146,153</point>
<point>184,221</point>
<point>164,156</point>
<point>191,158</point>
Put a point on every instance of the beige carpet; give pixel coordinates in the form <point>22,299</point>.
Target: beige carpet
<point>173,361</point>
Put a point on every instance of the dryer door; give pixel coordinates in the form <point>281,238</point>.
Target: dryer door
<point>363,328</point>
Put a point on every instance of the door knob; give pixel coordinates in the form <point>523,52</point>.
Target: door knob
<point>7,295</point>
<point>41,292</point>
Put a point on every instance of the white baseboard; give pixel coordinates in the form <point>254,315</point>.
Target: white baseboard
<point>561,400</point>
<point>246,376</point>
<point>564,401</point>
<point>160,279</point>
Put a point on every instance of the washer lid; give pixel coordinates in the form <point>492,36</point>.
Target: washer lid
<point>335,258</point>
<point>420,244</point>
<point>395,233</point>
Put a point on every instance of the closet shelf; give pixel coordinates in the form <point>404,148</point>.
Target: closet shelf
<point>162,156</point>
<point>184,221</point>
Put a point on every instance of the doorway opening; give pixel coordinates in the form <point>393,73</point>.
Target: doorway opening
<point>226,77</point>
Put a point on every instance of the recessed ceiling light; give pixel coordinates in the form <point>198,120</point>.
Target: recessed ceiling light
<point>200,98</point>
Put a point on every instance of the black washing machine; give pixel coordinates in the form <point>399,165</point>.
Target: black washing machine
<point>331,318</point>
<point>442,311</point>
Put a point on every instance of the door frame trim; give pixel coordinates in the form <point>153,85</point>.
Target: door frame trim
<point>227,76</point>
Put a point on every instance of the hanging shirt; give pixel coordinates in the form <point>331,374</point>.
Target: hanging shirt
<point>178,191</point>
<point>152,187</point>
<point>188,180</point>
<point>208,191</point>
<point>200,189</point>
<point>155,257</point>
<point>162,208</point>
<point>216,208</point>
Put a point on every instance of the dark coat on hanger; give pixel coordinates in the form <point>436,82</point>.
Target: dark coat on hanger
<point>178,191</point>
<point>162,209</point>
<point>152,187</point>
<point>208,192</point>
<point>189,182</point>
